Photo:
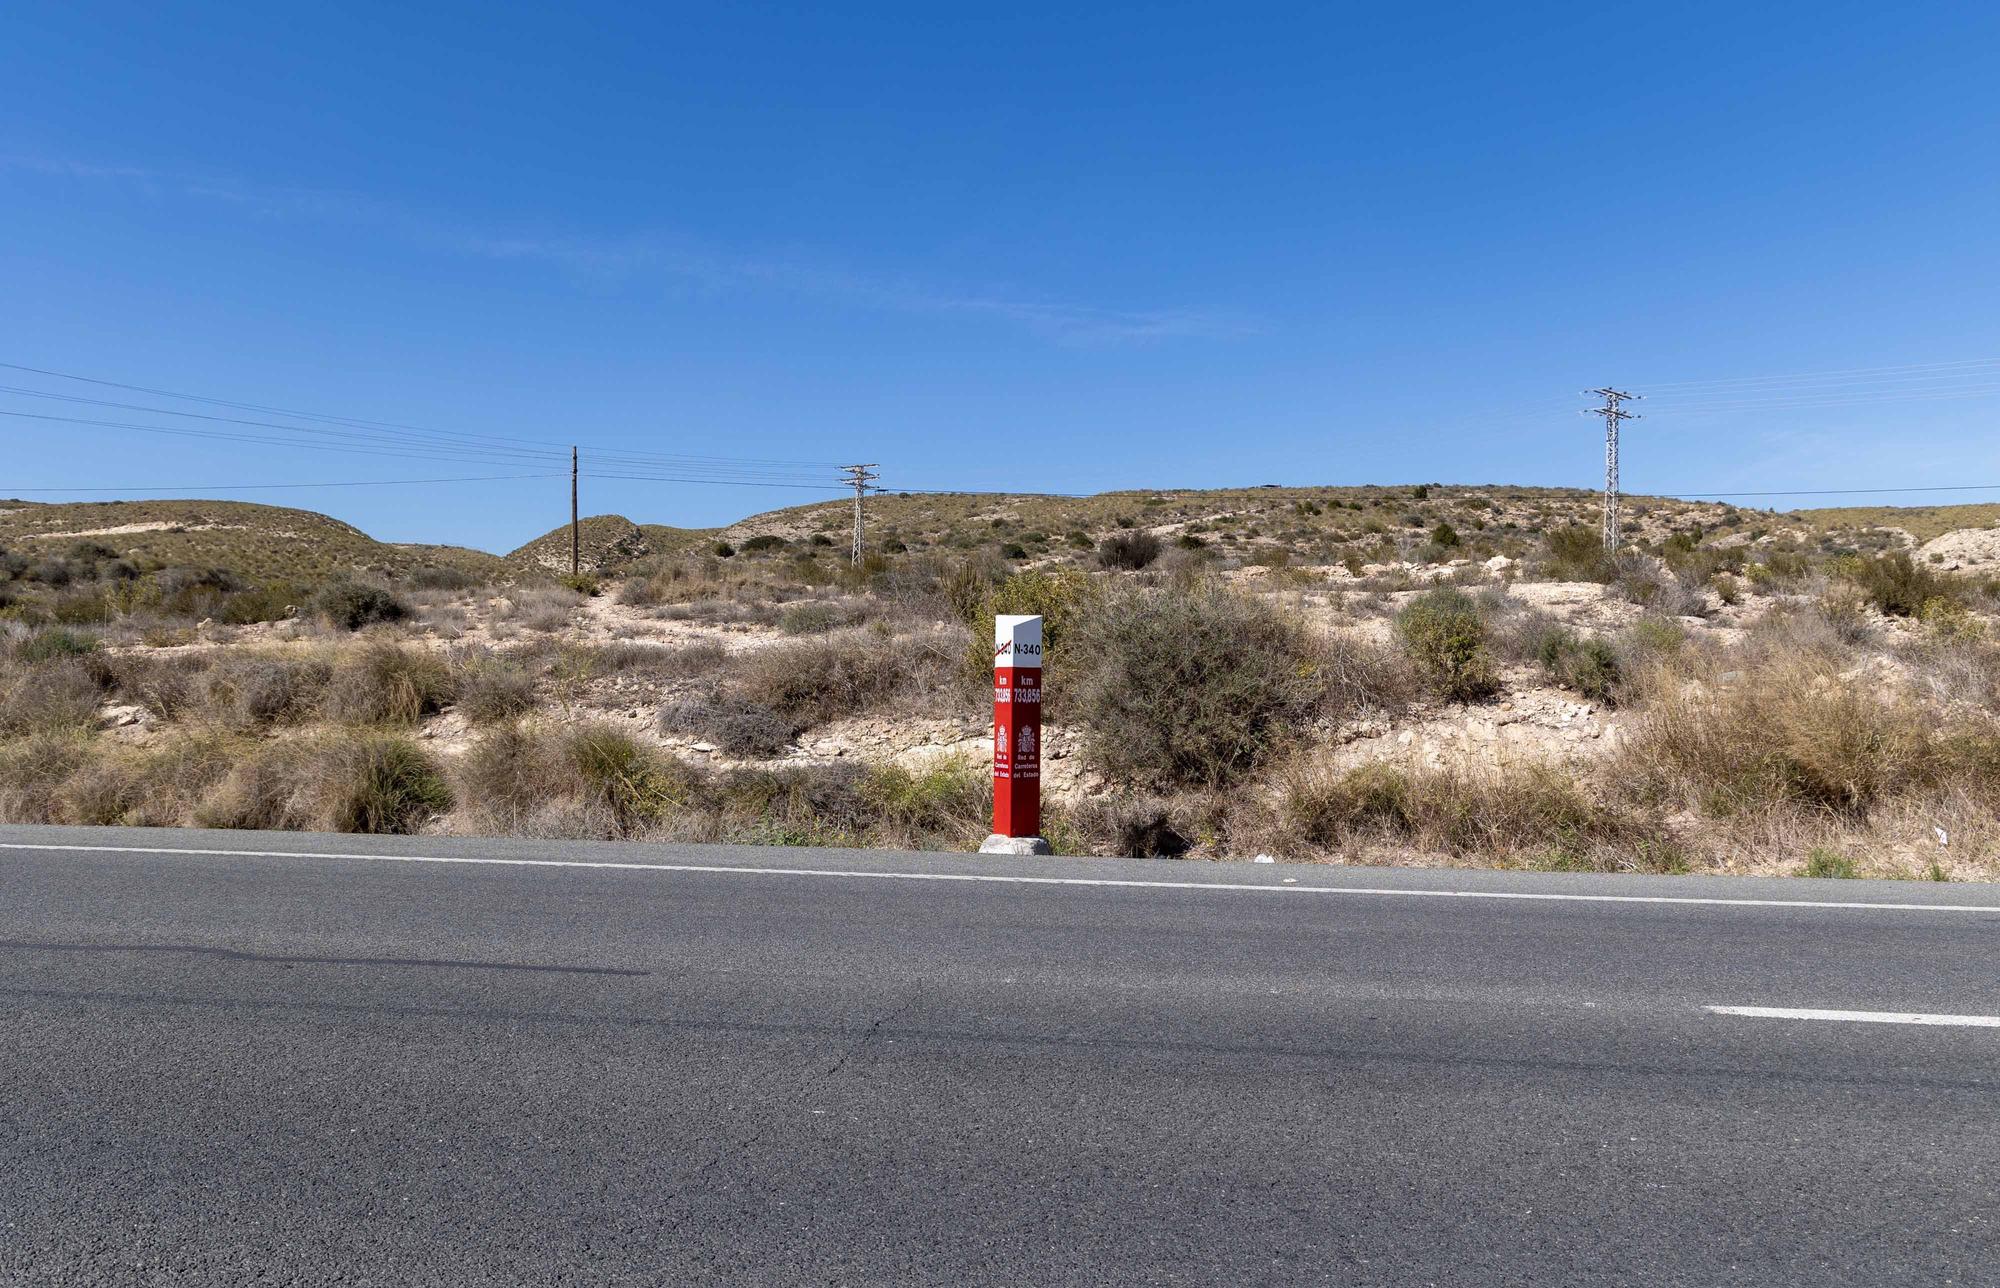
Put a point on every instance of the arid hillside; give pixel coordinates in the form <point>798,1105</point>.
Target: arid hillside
<point>1425,674</point>
<point>253,542</point>
<point>1308,525</point>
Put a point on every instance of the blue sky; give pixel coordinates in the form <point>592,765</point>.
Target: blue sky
<point>1043,247</point>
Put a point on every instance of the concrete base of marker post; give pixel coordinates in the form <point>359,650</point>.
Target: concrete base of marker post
<point>1017,738</point>
<point>998,844</point>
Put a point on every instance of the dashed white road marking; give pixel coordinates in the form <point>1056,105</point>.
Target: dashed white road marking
<point>994,878</point>
<point>1858,1017</point>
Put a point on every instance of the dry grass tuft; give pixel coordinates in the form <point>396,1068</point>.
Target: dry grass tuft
<point>1538,814</point>
<point>493,687</point>
<point>388,684</point>
<point>338,781</point>
<point>1787,728</point>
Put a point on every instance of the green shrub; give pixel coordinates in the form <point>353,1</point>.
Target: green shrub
<point>350,606</point>
<point>1444,536</point>
<point>1577,553</point>
<point>1062,597</point>
<point>948,802</point>
<point>808,617</point>
<point>1788,731</point>
<point>43,646</point>
<point>35,773</point>
<point>268,603</point>
<point>1194,688</point>
<point>1898,585</point>
<point>156,786</point>
<point>634,784</point>
<point>386,785</point>
<point>1445,638</point>
<point>1128,551</point>
<point>81,608</point>
<point>1654,637</point>
<point>583,583</point>
<point>442,577</point>
<point>254,690</point>
<point>723,550</point>
<point>1587,665</point>
<point>1824,863</point>
<point>763,542</point>
<point>813,681</point>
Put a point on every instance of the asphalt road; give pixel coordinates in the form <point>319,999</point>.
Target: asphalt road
<point>324,1065</point>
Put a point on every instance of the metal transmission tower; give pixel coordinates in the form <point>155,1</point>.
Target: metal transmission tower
<point>1612,413</point>
<point>860,476</point>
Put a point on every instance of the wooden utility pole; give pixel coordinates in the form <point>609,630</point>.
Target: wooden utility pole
<point>575,541</point>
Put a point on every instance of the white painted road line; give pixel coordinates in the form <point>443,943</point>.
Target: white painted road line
<point>1000,879</point>
<point>1858,1017</point>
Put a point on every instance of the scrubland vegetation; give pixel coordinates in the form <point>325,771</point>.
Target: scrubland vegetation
<point>1435,675</point>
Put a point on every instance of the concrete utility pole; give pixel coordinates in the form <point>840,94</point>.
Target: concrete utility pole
<point>1612,414</point>
<point>575,542</point>
<point>860,476</point>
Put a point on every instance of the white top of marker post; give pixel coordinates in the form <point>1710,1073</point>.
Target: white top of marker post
<point>1017,642</point>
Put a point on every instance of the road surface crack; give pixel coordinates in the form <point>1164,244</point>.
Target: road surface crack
<point>697,1178</point>
<point>278,959</point>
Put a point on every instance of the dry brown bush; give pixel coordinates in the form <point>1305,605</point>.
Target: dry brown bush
<point>735,724</point>
<point>234,690</point>
<point>63,694</point>
<point>850,673</point>
<point>492,687</point>
<point>1142,825</point>
<point>541,608</point>
<point>511,775</point>
<point>1785,727</point>
<point>656,661</point>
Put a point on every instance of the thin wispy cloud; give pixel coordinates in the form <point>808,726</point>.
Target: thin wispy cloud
<point>659,255</point>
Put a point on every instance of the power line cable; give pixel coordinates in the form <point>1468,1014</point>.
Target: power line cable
<point>1663,385</point>
<point>1832,491</point>
<point>400,440</point>
<point>355,422</point>
<point>261,487</point>
<point>691,474</point>
<point>724,465</point>
<point>1811,402</point>
<point>664,478</point>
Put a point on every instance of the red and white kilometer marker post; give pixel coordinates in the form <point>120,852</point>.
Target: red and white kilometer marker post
<point>1017,738</point>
